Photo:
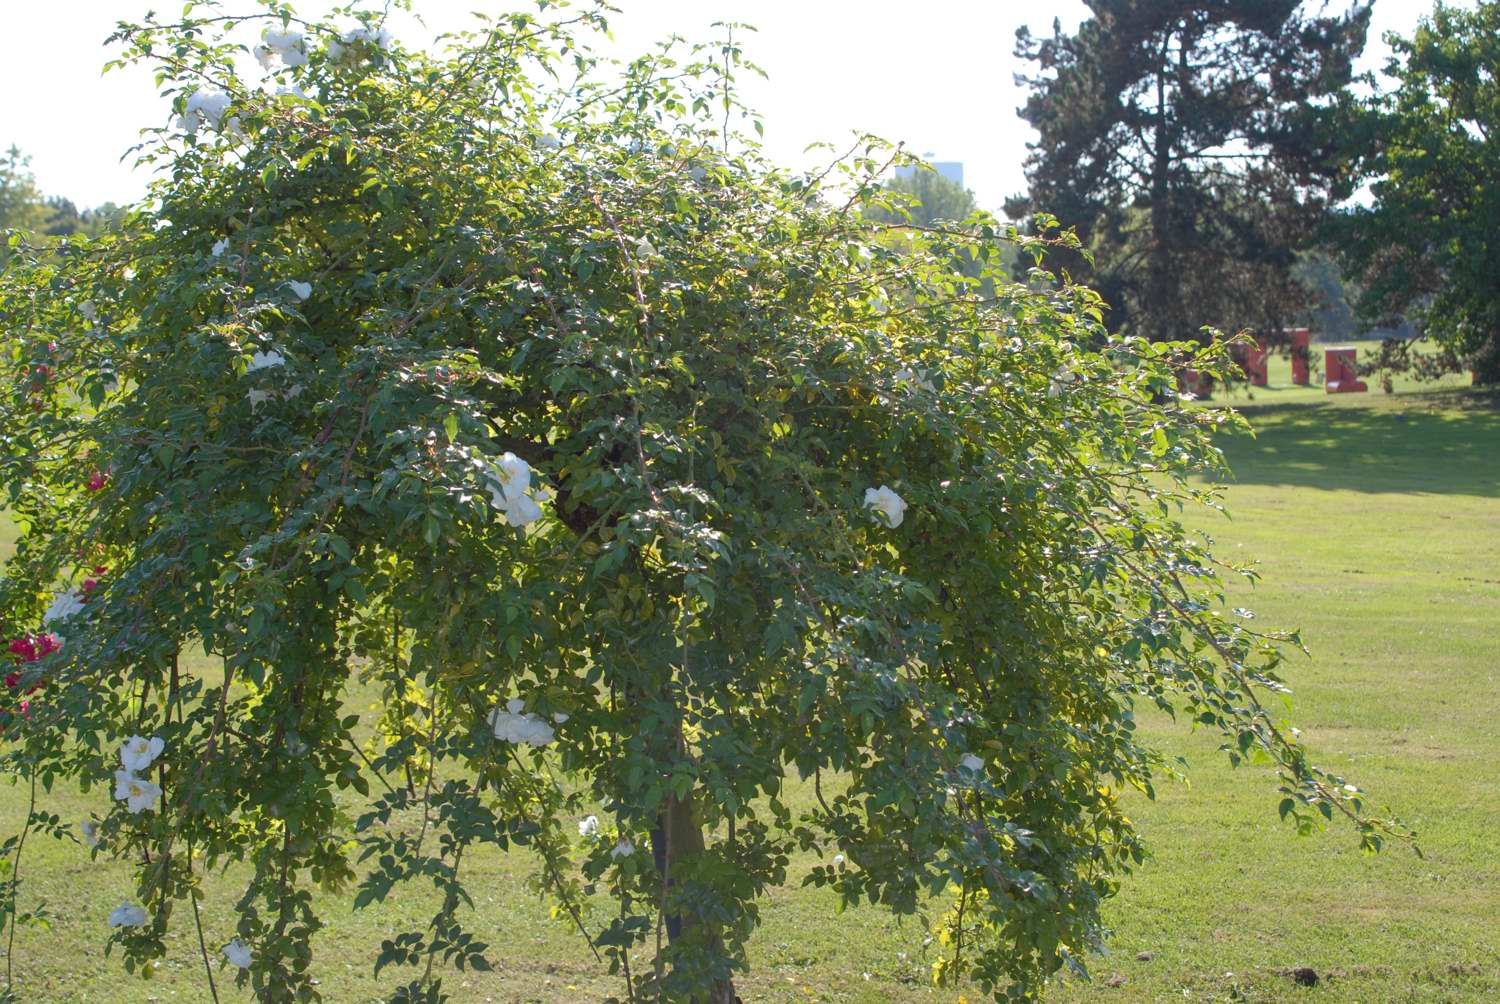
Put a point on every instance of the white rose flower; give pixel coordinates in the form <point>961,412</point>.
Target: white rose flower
<point>138,753</point>
<point>971,763</point>
<point>265,360</point>
<point>127,915</point>
<point>90,833</point>
<point>63,606</point>
<point>522,510</point>
<point>1060,380</point>
<point>286,45</point>
<point>378,37</point>
<point>623,849</point>
<point>908,377</point>
<point>510,490</point>
<point>588,827</point>
<point>302,290</point>
<point>137,793</point>
<point>512,725</point>
<point>889,507</point>
<point>511,474</point>
<point>238,953</point>
<point>203,107</point>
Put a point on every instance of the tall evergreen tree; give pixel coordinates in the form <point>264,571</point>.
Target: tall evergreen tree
<point>1187,142</point>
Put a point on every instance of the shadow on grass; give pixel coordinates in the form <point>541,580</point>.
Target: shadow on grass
<point>1437,442</point>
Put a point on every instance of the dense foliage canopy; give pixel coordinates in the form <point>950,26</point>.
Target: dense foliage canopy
<point>639,479</point>
<point>1427,243</point>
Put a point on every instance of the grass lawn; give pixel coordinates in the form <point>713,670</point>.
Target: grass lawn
<point>1377,523</point>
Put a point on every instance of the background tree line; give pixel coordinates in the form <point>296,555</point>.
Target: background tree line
<point>24,207</point>
<point>1223,164</point>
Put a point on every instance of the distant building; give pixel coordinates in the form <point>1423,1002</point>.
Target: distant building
<point>953,170</point>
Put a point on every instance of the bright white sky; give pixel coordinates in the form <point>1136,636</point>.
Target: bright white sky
<point>937,74</point>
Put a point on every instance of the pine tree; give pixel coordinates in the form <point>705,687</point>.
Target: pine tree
<point>1188,142</point>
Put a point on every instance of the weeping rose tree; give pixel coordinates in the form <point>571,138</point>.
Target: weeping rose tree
<point>642,482</point>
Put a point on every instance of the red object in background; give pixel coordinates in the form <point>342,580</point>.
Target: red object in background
<point>1252,360</point>
<point>1340,372</point>
<point>1260,365</point>
<point>97,481</point>
<point>1301,339</point>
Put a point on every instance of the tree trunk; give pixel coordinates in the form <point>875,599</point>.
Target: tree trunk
<point>677,837</point>
<point>1487,361</point>
<point>1159,262</point>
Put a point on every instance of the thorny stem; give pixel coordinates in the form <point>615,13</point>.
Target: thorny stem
<point>15,885</point>
<point>556,878</point>
<point>198,923</point>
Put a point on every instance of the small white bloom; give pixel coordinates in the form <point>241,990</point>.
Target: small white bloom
<point>838,859</point>
<point>560,717</point>
<point>522,510</point>
<point>909,378</point>
<point>203,107</point>
<point>64,605</point>
<point>90,833</point>
<point>137,793</point>
<point>127,915</point>
<point>623,849</point>
<point>1060,380</point>
<point>378,37</point>
<point>238,953</point>
<point>512,725</point>
<point>971,763</point>
<point>265,360</point>
<point>138,753</point>
<point>286,45</point>
<point>512,474</point>
<point>510,490</point>
<point>889,507</point>
<point>588,827</point>
<point>302,290</point>
<point>220,246</point>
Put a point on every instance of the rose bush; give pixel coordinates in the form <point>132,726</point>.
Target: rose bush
<point>636,475</point>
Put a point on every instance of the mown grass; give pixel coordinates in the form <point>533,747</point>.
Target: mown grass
<point>1376,520</point>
